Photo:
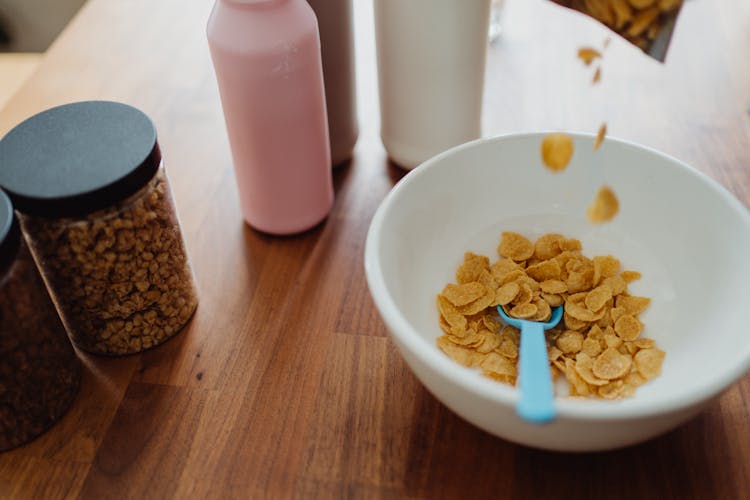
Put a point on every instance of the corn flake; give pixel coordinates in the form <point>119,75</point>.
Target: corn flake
<point>616,284</point>
<point>554,300</point>
<point>648,362</point>
<point>613,390</point>
<point>553,353</point>
<point>460,295</point>
<point>633,304</point>
<point>508,348</point>
<point>579,312</point>
<point>545,270</point>
<point>578,387</point>
<point>634,379</point>
<point>605,206</point>
<point>553,286</point>
<point>525,295</point>
<point>471,268</point>
<point>450,313</point>
<point>644,343</point>
<point>548,246</point>
<point>600,136</point>
<point>570,341</point>
<point>612,340</point>
<point>462,355</point>
<point>513,334</point>
<point>503,267</point>
<point>572,323</point>
<point>630,276</point>
<point>597,298</point>
<point>466,338</point>
<point>557,150</point>
<point>584,366</point>
<point>628,327</point>
<point>498,365</point>
<point>611,364</point>
<point>523,311</point>
<point>591,347</point>
<point>571,245</point>
<point>490,343</point>
<point>588,54</point>
<point>486,279</point>
<point>609,265</point>
<point>478,305</point>
<point>506,293</point>
<point>515,247</point>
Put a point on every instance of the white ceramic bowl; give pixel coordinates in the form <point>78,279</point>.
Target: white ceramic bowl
<point>685,233</point>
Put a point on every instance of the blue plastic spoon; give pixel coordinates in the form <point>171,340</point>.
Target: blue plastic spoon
<point>536,403</point>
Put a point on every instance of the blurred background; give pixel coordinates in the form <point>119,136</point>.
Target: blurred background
<point>27,28</point>
<point>32,25</point>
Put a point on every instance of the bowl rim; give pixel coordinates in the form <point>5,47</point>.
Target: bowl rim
<point>472,381</point>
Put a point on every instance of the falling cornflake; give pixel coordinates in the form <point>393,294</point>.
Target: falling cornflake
<point>588,54</point>
<point>600,136</point>
<point>597,75</point>
<point>604,207</point>
<point>557,150</point>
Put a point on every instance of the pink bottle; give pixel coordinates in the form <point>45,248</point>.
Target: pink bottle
<point>266,54</point>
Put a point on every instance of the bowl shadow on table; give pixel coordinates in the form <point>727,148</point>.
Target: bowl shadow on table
<point>163,361</point>
<point>466,461</point>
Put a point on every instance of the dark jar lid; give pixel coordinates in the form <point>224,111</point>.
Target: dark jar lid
<point>10,235</point>
<point>78,158</point>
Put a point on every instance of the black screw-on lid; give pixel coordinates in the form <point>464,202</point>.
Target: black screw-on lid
<point>10,236</point>
<point>78,158</point>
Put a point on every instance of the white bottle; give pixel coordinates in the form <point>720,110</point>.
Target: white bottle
<point>431,59</point>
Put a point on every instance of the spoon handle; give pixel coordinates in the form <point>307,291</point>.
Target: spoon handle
<point>535,380</point>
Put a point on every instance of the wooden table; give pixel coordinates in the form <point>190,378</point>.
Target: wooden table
<point>285,384</point>
<point>15,69</point>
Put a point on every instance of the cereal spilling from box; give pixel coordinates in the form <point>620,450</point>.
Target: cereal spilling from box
<point>647,24</point>
<point>597,348</point>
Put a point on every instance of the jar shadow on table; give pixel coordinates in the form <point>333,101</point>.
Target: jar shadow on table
<point>175,348</point>
<point>74,435</point>
<point>159,357</point>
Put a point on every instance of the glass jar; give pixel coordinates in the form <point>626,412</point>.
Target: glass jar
<point>39,372</point>
<point>109,247</point>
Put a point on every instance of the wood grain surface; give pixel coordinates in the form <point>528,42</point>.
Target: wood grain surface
<point>15,69</point>
<point>285,384</point>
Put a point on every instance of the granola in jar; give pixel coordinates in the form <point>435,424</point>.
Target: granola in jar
<point>40,374</point>
<point>108,239</point>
